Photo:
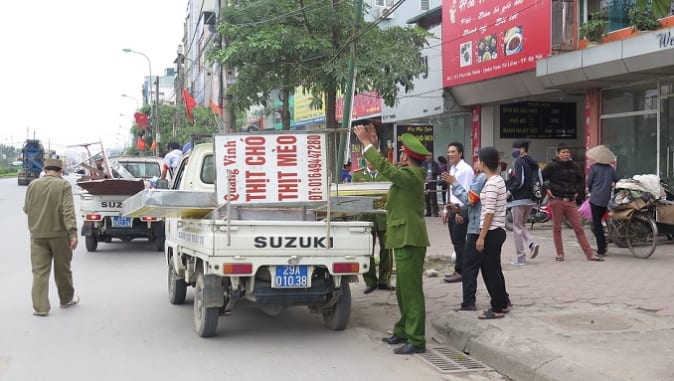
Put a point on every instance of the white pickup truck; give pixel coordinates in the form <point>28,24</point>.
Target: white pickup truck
<point>267,241</point>
<point>101,203</point>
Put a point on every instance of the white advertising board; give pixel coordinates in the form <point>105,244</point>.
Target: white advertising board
<point>271,168</point>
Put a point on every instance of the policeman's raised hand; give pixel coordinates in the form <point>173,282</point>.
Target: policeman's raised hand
<point>367,134</point>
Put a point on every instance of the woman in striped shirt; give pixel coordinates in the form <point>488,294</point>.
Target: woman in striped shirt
<point>492,233</point>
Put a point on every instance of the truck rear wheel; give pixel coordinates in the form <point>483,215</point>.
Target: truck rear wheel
<point>177,287</point>
<point>337,317</point>
<point>91,242</point>
<point>205,319</point>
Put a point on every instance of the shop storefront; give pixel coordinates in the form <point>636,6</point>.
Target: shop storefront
<point>637,123</point>
<point>634,110</point>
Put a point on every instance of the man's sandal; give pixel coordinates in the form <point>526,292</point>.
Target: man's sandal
<point>559,259</point>
<point>490,314</point>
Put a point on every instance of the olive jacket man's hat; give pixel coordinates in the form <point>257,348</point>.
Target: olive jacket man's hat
<point>413,147</point>
<point>53,163</point>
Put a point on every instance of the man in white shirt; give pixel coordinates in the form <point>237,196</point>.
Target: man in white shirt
<point>171,159</point>
<point>457,219</point>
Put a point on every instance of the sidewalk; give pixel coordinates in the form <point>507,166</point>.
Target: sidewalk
<point>571,320</point>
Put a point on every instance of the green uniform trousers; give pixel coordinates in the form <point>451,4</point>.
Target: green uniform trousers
<point>385,263</point>
<point>410,294</point>
<point>42,252</point>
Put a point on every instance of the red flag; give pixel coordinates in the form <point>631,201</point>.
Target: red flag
<point>141,120</point>
<point>140,144</point>
<point>215,108</point>
<point>189,105</point>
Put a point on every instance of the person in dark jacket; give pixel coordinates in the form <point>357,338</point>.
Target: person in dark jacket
<point>53,236</point>
<point>600,184</point>
<point>565,186</point>
<point>432,172</point>
<point>444,167</point>
<point>521,202</point>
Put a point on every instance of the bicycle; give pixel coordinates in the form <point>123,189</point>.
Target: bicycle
<point>641,223</point>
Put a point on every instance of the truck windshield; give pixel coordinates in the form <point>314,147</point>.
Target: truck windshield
<point>142,169</point>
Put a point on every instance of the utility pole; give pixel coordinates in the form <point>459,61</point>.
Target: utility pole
<point>157,134</point>
<point>348,94</point>
<point>226,121</point>
<point>178,87</point>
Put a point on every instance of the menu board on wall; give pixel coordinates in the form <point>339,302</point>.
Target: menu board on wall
<point>487,39</point>
<point>423,132</point>
<point>538,120</point>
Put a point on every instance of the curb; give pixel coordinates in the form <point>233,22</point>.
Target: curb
<point>521,359</point>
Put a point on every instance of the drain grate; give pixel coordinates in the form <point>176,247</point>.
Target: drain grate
<point>450,360</point>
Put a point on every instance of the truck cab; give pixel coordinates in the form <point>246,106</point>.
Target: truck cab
<point>32,160</point>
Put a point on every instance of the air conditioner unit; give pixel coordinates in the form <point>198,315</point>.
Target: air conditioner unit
<point>385,13</point>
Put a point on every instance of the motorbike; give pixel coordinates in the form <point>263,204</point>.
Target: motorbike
<point>540,214</point>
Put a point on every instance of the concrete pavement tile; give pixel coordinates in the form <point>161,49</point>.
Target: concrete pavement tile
<point>591,348</point>
<point>562,369</point>
<point>667,312</point>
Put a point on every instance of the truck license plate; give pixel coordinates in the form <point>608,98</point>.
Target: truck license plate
<point>291,277</point>
<point>122,222</point>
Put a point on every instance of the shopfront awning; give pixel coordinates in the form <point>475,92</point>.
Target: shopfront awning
<point>516,86</point>
<point>647,56</point>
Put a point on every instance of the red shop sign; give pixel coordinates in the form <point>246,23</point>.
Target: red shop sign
<point>486,39</point>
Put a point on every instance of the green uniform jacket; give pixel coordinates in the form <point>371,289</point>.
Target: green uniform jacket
<point>378,219</point>
<point>405,224</point>
<point>50,208</point>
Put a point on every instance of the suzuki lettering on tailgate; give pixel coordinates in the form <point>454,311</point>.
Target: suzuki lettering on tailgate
<point>111,204</point>
<point>271,168</point>
<point>289,242</point>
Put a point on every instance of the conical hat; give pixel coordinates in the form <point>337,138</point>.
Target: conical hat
<point>601,154</point>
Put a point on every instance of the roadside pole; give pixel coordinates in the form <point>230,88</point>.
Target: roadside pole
<point>348,96</point>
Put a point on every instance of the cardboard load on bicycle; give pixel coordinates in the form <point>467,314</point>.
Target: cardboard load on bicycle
<point>622,214</point>
<point>664,212</point>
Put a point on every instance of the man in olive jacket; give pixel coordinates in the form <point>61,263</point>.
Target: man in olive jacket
<point>371,174</point>
<point>405,233</point>
<point>53,236</point>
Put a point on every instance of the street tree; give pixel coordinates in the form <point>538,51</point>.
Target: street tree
<point>280,45</point>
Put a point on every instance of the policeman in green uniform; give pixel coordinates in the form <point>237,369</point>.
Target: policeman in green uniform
<point>371,174</point>
<point>53,236</point>
<point>405,234</point>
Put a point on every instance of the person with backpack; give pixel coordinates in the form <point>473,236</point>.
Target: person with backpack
<point>522,199</point>
<point>565,187</point>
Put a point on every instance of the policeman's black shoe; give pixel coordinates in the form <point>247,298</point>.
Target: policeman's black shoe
<point>409,349</point>
<point>369,289</point>
<point>386,287</point>
<point>394,340</point>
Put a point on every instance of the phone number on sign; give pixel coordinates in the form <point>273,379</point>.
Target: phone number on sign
<point>314,153</point>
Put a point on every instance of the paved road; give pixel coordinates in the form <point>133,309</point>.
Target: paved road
<point>125,329</point>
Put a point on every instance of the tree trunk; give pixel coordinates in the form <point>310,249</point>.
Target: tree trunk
<point>285,109</point>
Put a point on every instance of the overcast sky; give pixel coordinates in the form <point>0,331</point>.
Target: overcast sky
<point>63,69</point>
